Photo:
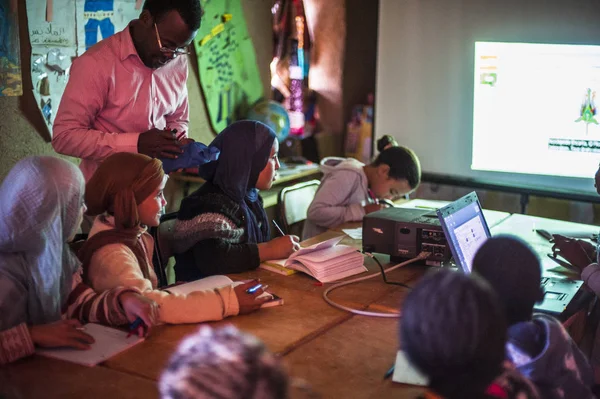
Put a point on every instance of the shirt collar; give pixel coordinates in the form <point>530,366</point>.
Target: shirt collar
<point>127,46</point>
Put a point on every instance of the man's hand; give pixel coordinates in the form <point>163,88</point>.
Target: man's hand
<point>158,143</point>
<point>579,253</point>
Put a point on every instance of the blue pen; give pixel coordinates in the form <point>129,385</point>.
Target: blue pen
<point>389,372</point>
<point>252,290</point>
<point>133,326</point>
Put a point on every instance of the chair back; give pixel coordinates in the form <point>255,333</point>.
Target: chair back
<point>293,203</point>
<point>163,247</point>
<point>164,236</point>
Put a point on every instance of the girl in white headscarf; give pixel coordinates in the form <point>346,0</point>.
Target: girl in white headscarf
<point>41,206</point>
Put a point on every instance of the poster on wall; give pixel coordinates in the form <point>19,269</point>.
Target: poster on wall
<point>53,47</point>
<point>99,19</point>
<point>10,61</point>
<point>59,31</point>
<point>227,66</point>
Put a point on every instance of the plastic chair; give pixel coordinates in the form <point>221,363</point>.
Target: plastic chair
<point>293,203</point>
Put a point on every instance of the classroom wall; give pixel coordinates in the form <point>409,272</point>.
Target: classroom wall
<point>22,129</point>
<point>342,73</point>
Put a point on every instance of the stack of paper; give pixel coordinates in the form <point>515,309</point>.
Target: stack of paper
<point>325,261</point>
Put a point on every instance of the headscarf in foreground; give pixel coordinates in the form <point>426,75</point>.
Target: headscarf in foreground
<point>40,201</point>
<point>122,182</point>
<point>223,363</point>
<point>245,149</point>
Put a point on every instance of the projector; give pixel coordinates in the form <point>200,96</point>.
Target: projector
<point>403,233</point>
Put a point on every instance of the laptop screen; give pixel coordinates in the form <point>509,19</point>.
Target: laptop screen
<point>465,229</point>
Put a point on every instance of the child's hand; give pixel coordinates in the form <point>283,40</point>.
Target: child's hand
<point>249,302</point>
<point>62,333</point>
<point>579,253</point>
<point>374,207</point>
<point>136,305</point>
<point>279,248</point>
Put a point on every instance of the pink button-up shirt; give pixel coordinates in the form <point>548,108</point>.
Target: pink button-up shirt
<point>112,97</point>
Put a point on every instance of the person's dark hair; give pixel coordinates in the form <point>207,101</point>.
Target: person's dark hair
<point>403,163</point>
<point>453,330</point>
<point>514,272</point>
<point>190,10</point>
<point>384,141</point>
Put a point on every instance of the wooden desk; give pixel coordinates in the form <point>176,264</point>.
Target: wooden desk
<point>304,316</point>
<point>290,173</point>
<point>41,377</point>
<point>339,354</point>
<point>180,185</point>
<point>524,227</point>
<point>350,360</point>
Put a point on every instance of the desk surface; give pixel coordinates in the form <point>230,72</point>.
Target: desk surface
<point>287,174</point>
<point>524,227</point>
<point>339,354</point>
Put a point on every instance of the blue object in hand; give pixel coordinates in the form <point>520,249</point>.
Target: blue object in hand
<point>194,154</point>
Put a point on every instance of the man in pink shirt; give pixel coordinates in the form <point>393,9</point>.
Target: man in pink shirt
<point>128,92</point>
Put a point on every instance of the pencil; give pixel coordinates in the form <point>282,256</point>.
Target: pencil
<point>278,228</point>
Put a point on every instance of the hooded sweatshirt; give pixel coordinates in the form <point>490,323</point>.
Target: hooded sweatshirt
<point>542,351</point>
<point>340,197</point>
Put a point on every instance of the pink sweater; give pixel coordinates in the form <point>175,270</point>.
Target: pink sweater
<point>116,265</point>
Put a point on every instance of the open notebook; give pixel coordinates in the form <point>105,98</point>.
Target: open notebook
<point>109,342</point>
<point>218,281</point>
<point>326,261</point>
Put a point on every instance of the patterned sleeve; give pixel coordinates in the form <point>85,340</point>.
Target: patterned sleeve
<point>15,343</point>
<point>86,305</point>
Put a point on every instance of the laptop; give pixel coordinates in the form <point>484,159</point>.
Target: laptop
<point>466,230</point>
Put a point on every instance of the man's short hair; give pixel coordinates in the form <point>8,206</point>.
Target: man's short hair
<point>190,10</point>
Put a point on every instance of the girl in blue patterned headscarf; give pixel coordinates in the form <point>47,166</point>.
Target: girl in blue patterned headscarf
<point>223,227</point>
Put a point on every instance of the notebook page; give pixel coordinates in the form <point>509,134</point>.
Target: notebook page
<point>207,283</point>
<point>406,373</point>
<point>109,342</point>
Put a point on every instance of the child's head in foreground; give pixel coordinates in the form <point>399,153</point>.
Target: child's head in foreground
<point>513,270</point>
<point>223,363</point>
<point>454,331</point>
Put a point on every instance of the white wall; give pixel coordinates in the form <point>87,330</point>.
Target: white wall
<point>425,66</point>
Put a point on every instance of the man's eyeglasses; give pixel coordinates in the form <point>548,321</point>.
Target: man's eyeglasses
<point>166,50</point>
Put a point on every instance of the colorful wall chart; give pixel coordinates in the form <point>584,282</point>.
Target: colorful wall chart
<point>10,60</point>
<point>61,30</point>
<point>226,62</point>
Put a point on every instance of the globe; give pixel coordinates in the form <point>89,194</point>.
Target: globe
<point>272,114</point>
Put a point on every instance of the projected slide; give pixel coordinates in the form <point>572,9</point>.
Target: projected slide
<point>535,109</point>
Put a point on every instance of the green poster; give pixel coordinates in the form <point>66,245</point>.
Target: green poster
<point>226,62</point>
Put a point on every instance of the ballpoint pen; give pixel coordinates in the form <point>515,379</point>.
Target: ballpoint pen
<point>278,228</point>
<point>253,289</point>
<point>133,326</point>
<point>389,372</point>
